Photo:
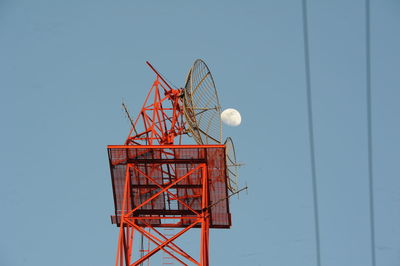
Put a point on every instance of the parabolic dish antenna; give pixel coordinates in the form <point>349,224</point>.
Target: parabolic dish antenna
<point>201,105</point>
<point>231,165</point>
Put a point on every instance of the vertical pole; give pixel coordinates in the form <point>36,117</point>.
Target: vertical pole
<point>122,241</point>
<point>130,242</point>
<point>205,219</point>
<point>129,230</point>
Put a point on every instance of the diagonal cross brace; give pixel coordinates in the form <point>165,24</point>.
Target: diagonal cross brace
<point>165,189</point>
<point>165,243</point>
<point>174,197</point>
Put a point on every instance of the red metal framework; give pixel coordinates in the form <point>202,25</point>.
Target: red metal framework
<point>157,184</point>
<point>161,114</point>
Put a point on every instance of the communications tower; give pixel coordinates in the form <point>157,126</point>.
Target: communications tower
<point>161,184</point>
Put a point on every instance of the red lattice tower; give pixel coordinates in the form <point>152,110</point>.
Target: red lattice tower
<point>160,183</point>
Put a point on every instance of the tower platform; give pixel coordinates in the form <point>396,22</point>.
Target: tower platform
<point>167,184</point>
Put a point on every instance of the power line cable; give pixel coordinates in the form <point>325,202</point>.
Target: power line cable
<point>369,128</point>
<point>311,132</point>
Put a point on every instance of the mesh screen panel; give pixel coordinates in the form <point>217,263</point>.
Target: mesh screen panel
<point>159,166</point>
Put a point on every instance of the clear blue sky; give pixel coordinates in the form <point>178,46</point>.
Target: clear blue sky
<point>66,65</point>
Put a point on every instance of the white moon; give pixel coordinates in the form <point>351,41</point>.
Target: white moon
<point>231,117</point>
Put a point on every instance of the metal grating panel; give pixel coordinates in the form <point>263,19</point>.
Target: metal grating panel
<point>163,165</point>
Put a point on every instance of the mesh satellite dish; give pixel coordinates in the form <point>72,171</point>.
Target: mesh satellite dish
<point>201,105</point>
<point>231,165</point>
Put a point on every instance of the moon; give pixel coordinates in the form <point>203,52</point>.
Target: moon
<point>231,117</point>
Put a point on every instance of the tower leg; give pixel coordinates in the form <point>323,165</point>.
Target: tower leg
<point>125,239</point>
<point>205,226</point>
<point>204,244</point>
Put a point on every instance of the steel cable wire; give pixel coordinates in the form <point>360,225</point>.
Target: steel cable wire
<point>311,131</point>
<point>369,129</point>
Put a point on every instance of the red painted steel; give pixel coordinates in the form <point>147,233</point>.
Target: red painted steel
<point>161,115</point>
<point>160,184</point>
